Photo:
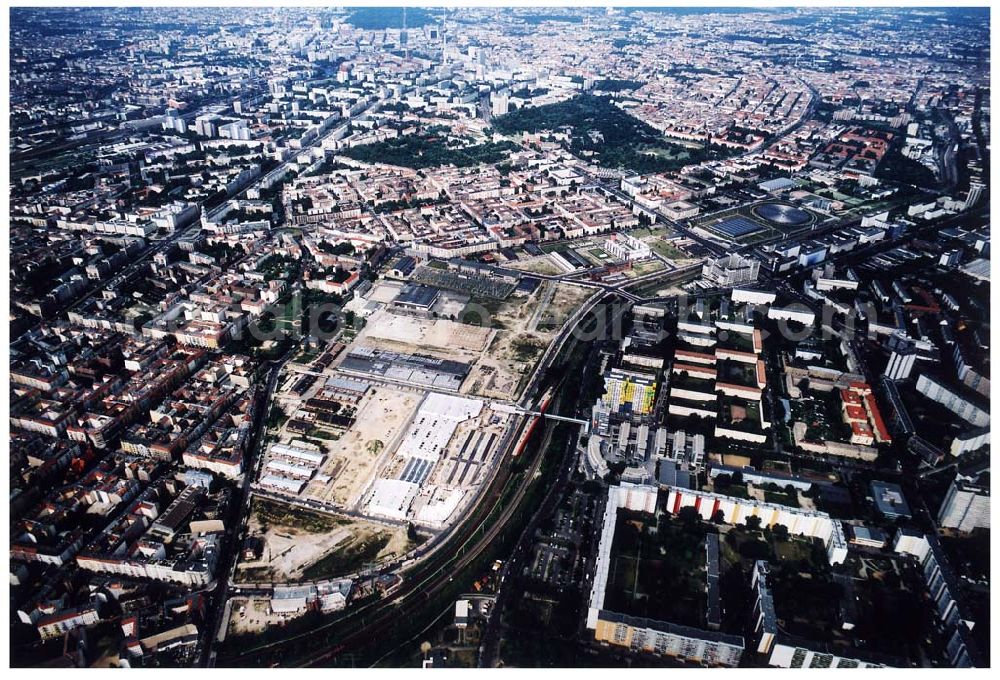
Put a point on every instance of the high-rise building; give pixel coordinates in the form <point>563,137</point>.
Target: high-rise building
<point>966,507</point>
<point>902,356</point>
<point>629,392</point>
<point>731,270</point>
<point>975,193</point>
<point>206,125</point>
<point>500,103</point>
<point>953,401</point>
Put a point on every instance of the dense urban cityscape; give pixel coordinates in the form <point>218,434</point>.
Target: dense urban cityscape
<point>499,337</point>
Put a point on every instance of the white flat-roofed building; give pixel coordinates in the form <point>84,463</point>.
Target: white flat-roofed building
<point>709,647</point>
<point>680,210</point>
<point>737,510</point>
<point>902,357</point>
<point>793,656</point>
<point>310,458</point>
<point>289,470</point>
<point>181,636</point>
<point>777,185</point>
<point>627,248</point>
<point>965,507</point>
<point>282,483</point>
<point>978,269</point>
<point>730,270</point>
<point>624,495</point>
<point>952,400</point>
<point>434,424</point>
<point>62,622</point>
<point>869,537</point>
<point>970,441</point>
<point>440,508</point>
<point>392,498</point>
<point>802,315</point>
<point>766,623</point>
<point>755,297</point>
<point>291,599</point>
<point>461,613</point>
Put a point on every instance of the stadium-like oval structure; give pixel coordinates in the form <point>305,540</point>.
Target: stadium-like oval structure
<point>783,214</point>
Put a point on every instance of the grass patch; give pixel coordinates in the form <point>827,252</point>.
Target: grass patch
<point>347,559</point>
<point>658,569</point>
<point>272,513</point>
<point>782,498</point>
<point>473,312</point>
<point>664,249</point>
<point>526,349</point>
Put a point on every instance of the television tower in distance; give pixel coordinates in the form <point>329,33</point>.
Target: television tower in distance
<point>405,38</point>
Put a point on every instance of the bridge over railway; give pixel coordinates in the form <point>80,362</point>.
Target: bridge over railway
<point>505,407</point>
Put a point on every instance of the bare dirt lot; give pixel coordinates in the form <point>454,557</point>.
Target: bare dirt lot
<point>425,333</point>
<point>355,458</point>
<point>249,615</point>
<point>301,545</point>
<point>525,329</point>
<point>541,264</point>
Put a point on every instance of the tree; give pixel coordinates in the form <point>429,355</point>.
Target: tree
<point>688,515</point>
<point>755,550</point>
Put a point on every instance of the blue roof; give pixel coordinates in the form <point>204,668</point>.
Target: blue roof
<point>889,499</point>
<point>734,227</point>
<point>420,296</point>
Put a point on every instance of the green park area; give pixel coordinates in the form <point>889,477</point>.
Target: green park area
<point>604,131</point>
<point>428,150</point>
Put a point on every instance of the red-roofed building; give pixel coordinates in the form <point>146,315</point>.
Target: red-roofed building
<point>694,357</point>
<point>861,434</point>
<point>875,417</point>
<point>860,387</point>
<point>855,414</point>
<point>850,398</point>
<point>761,375</point>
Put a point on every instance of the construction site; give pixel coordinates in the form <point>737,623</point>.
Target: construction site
<point>393,435</point>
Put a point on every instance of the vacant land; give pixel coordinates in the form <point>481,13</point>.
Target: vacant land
<point>354,459</point>
<point>524,329</point>
<point>535,265</point>
<point>252,616</point>
<point>350,557</point>
<point>424,334</point>
<point>301,545</point>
